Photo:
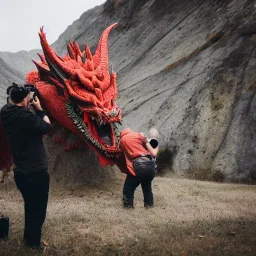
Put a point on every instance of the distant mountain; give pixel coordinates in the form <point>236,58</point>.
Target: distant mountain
<point>183,67</point>
<point>21,60</point>
<point>8,74</point>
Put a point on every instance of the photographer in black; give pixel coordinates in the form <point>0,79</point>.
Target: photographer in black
<point>24,130</point>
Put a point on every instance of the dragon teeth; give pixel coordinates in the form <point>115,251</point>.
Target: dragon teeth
<point>73,114</point>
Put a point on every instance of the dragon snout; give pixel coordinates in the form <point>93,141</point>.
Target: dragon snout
<point>115,112</point>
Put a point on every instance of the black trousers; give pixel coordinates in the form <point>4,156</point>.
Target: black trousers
<point>34,189</point>
<point>144,169</point>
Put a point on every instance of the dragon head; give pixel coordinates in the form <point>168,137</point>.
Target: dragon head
<point>80,88</point>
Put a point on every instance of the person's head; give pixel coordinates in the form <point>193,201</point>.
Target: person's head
<point>19,95</point>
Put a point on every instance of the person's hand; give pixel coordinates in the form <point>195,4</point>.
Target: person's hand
<point>36,103</point>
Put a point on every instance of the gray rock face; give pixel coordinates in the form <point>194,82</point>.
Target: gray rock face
<point>184,67</point>
<point>8,75</point>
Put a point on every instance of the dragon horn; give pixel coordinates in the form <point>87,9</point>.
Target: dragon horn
<point>100,57</point>
<point>51,57</point>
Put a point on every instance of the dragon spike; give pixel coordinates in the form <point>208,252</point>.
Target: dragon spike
<point>89,65</point>
<point>56,71</point>
<point>60,57</point>
<point>88,52</point>
<point>43,70</point>
<point>51,57</point>
<point>71,52</point>
<point>100,57</point>
<point>42,58</point>
<point>77,51</point>
<point>41,65</point>
<point>83,58</point>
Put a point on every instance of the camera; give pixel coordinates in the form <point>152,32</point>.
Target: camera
<point>33,91</point>
<point>22,91</point>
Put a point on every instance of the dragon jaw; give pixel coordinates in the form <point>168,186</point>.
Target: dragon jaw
<point>83,85</point>
<point>103,136</point>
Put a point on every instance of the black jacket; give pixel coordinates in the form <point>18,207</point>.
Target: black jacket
<point>24,131</point>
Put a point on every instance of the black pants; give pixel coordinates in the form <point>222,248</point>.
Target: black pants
<point>34,189</point>
<point>145,173</point>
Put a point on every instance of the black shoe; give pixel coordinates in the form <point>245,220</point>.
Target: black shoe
<point>147,206</point>
<point>127,203</point>
<point>35,247</point>
<point>128,206</point>
<point>39,247</point>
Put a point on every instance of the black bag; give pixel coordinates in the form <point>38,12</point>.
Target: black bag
<point>4,227</point>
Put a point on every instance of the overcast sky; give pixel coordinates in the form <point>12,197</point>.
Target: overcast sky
<point>20,20</point>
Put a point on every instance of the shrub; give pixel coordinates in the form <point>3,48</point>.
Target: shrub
<point>199,173</point>
<point>206,174</point>
<point>218,176</point>
<point>164,160</point>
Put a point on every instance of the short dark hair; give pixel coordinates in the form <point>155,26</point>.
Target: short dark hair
<point>17,93</point>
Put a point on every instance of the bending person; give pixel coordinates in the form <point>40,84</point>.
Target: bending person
<point>139,156</point>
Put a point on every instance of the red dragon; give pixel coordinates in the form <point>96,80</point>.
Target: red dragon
<point>79,93</point>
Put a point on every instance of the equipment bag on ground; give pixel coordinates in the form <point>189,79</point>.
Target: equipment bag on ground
<point>4,227</point>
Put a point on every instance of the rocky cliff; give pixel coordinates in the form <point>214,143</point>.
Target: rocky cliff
<point>184,67</point>
<point>8,75</point>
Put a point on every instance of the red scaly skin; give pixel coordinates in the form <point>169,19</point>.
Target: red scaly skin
<point>79,93</point>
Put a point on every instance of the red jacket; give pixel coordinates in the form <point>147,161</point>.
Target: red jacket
<point>133,145</point>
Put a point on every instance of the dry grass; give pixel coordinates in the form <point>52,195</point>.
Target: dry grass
<point>190,218</point>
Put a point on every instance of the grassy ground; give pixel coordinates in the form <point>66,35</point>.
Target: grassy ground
<point>190,218</point>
